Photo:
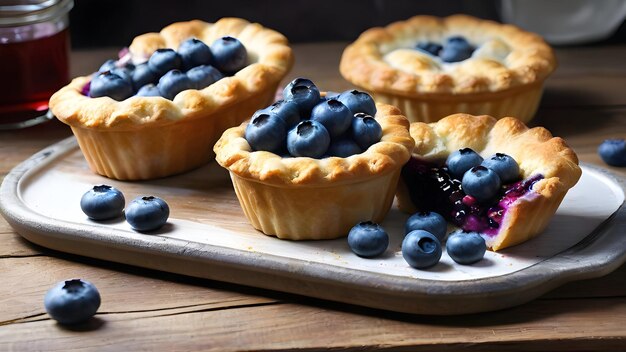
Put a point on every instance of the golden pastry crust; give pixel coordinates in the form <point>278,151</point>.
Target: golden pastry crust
<point>270,58</point>
<point>536,151</point>
<point>290,197</point>
<point>234,153</point>
<point>506,58</point>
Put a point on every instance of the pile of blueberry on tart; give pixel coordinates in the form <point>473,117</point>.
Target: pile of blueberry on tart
<point>493,177</point>
<point>432,67</point>
<point>159,108</point>
<point>314,164</point>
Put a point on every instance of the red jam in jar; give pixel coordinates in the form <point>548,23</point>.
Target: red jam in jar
<point>34,58</point>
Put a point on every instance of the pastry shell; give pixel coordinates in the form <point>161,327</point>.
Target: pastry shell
<point>302,198</point>
<point>151,137</point>
<point>504,76</point>
<point>535,150</point>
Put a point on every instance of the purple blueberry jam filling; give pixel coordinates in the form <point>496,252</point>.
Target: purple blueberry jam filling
<point>432,188</point>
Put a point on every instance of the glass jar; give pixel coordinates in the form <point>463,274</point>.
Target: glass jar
<point>34,58</point>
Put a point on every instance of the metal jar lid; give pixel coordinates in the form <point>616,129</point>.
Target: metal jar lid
<point>14,13</point>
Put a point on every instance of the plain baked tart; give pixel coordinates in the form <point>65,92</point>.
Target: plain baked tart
<point>302,198</point>
<point>150,137</point>
<point>548,169</point>
<point>503,76</point>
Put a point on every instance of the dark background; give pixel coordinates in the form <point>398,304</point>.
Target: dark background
<point>116,22</point>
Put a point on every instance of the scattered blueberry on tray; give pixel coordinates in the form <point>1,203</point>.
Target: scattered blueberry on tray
<point>466,247</point>
<point>147,213</point>
<point>72,301</point>
<point>421,249</point>
<point>368,239</point>
<point>102,202</point>
<point>427,221</point>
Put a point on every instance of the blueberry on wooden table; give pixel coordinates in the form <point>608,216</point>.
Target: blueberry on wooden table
<point>613,152</point>
<point>72,301</point>
<point>102,202</point>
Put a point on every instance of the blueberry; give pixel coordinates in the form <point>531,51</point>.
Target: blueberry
<point>421,249</point>
<point>358,101</point>
<point>429,47</point>
<point>368,239</point>
<point>462,160</point>
<point>163,61</point>
<point>481,183</point>
<point>266,131</point>
<point>427,221</point>
<point>203,76</point>
<point>466,247</point>
<point>149,90</point>
<point>343,147</point>
<point>335,116</point>
<point>143,75</point>
<point>110,85</point>
<point>147,213</point>
<point>193,52</point>
<point>173,83</point>
<point>505,166</point>
<point>613,152</point>
<point>125,73</point>
<point>303,93</point>
<point>365,130</point>
<point>287,111</point>
<point>308,138</point>
<point>456,49</point>
<point>72,301</point>
<point>229,55</point>
<point>108,65</point>
<point>102,202</point>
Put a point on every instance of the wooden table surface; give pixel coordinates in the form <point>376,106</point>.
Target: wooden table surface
<point>584,102</point>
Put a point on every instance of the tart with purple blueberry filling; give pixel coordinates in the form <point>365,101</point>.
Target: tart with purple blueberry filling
<point>525,199</point>
<point>432,67</point>
<point>311,166</point>
<point>159,109</point>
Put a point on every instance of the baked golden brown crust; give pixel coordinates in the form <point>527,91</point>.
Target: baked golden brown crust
<point>234,153</point>
<point>290,197</point>
<point>150,137</point>
<point>536,151</point>
<point>270,58</point>
<point>506,57</point>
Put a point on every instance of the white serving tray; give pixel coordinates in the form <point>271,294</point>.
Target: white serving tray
<point>208,236</point>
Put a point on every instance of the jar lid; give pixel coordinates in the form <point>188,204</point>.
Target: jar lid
<point>23,12</point>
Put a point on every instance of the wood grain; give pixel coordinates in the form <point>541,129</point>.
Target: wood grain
<point>583,102</point>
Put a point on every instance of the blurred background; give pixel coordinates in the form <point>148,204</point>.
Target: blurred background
<point>565,22</point>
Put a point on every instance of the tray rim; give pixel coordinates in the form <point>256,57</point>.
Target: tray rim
<point>319,280</point>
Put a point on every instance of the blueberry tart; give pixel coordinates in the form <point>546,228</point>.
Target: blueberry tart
<point>494,177</point>
<point>432,67</point>
<point>335,165</point>
<point>160,107</point>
